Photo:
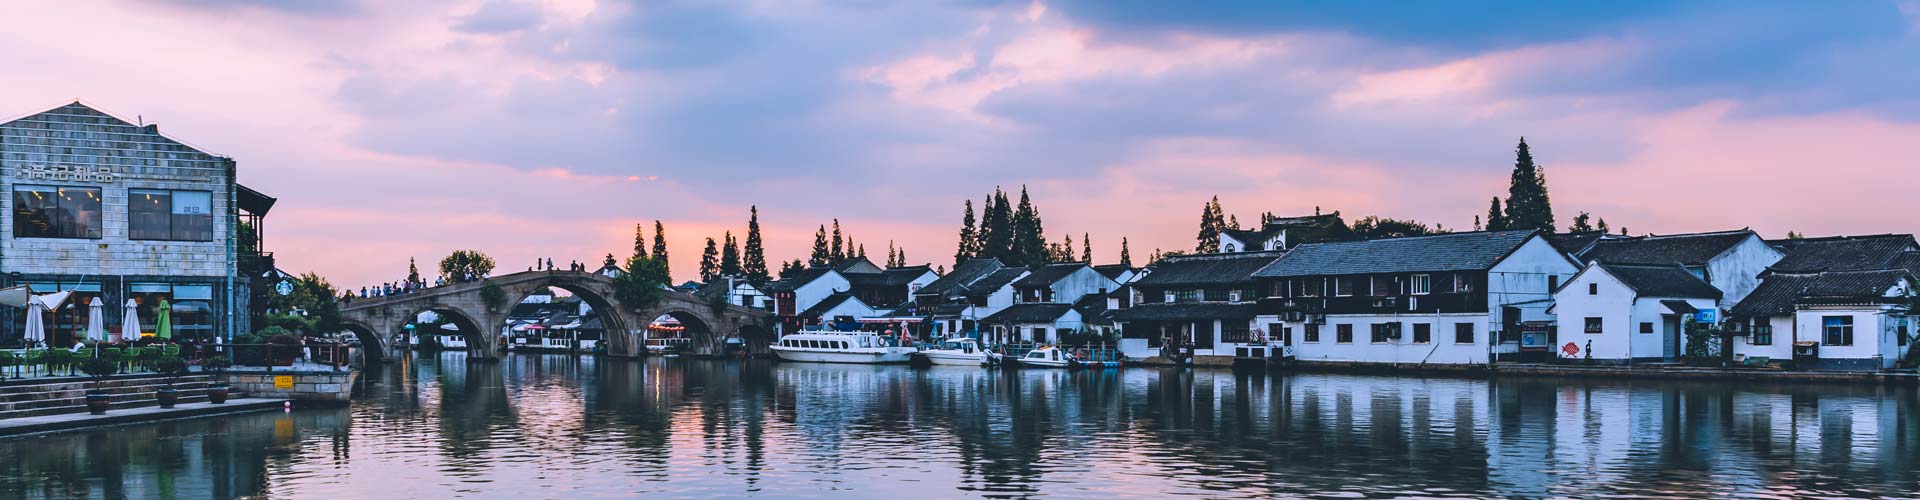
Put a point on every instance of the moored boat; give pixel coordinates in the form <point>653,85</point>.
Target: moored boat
<point>1046,357</point>
<point>839,347</point>
<point>962,352</point>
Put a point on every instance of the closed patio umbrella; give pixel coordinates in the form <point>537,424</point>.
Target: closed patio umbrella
<point>36,327</point>
<point>130,322</point>
<point>96,321</point>
<point>163,326</point>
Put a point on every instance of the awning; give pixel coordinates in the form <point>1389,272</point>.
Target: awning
<point>253,202</point>
<point>1679,306</point>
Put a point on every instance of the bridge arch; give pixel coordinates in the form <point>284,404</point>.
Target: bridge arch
<point>612,319</point>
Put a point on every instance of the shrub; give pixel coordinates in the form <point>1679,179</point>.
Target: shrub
<point>171,367</point>
<point>285,347</point>
<point>216,364</point>
<point>99,369</point>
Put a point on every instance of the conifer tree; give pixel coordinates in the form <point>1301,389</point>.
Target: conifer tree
<point>1496,221</point>
<point>710,262</point>
<point>1030,239</point>
<point>660,249</point>
<point>903,257</point>
<point>1086,248</point>
<point>1211,223</point>
<point>730,256</point>
<point>838,251</point>
<point>821,254</point>
<point>1233,222</point>
<point>413,272</point>
<point>1602,226</point>
<point>639,241</point>
<point>893,254</point>
<point>1581,223</point>
<point>1066,249</point>
<point>1527,203</point>
<point>969,243</point>
<point>754,258</point>
<point>862,253</point>
<point>1476,223</point>
<point>1125,258</point>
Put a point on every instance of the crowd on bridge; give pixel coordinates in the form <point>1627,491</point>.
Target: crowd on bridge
<point>415,284</point>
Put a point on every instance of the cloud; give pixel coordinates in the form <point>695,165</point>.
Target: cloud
<point>498,17</point>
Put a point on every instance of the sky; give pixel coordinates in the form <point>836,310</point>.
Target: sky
<point>548,128</point>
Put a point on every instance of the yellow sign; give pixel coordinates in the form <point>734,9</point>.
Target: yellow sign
<point>283,381</point>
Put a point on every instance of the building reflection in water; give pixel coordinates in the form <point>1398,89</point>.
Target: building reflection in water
<point>544,426</point>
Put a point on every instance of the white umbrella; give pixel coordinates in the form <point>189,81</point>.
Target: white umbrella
<point>36,329</point>
<point>53,301</point>
<point>130,324</point>
<point>96,321</point>
<point>15,296</point>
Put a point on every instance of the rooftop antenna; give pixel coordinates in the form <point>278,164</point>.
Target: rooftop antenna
<point>142,119</point>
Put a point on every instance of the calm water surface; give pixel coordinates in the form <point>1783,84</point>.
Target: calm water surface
<point>558,427</point>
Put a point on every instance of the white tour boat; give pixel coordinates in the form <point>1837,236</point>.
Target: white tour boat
<point>963,351</point>
<point>1047,357</point>
<point>839,347</point>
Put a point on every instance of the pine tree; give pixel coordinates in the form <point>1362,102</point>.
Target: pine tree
<point>862,253</point>
<point>1581,223</point>
<point>1495,220</point>
<point>1211,222</point>
<point>1476,223</point>
<point>754,264</point>
<point>1602,226</point>
<point>639,241</point>
<point>967,247</point>
<point>710,262</point>
<point>1125,258</point>
<point>660,249</point>
<point>730,256</point>
<point>821,254</point>
<point>1086,249</point>
<point>1233,222</point>
<point>838,251</point>
<point>1030,239</point>
<point>998,243</point>
<point>1527,203</point>
<point>893,254</point>
<point>1066,250</point>
<point>903,257</point>
<point>413,272</point>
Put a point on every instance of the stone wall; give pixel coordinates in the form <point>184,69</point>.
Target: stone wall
<point>325,386</point>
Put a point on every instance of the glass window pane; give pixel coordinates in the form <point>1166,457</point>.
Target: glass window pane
<point>79,212</point>
<point>193,215</point>
<point>33,211</point>
<point>148,214</point>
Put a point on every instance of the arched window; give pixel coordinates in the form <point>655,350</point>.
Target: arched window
<point>1230,248</point>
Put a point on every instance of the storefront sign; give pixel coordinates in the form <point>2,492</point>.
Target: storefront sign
<point>73,173</point>
<point>283,381</point>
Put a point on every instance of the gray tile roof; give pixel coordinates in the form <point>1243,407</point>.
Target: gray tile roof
<point>993,282</point>
<point>1186,311</point>
<point>1685,249</point>
<point>1113,271</point>
<point>1307,228</point>
<point>1434,253</point>
<point>1778,293</point>
<point>1662,281</point>
<point>1206,269</point>
<point>825,304</point>
<point>1047,274</point>
<point>963,274</point>
<point>1843,253</point>
<point>1029,313</point>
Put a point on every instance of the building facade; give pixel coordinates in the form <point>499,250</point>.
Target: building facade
<point>114,210</point>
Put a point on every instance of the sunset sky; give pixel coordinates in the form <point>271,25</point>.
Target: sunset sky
<point>531,129</point>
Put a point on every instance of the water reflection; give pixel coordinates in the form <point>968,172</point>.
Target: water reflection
<point>556,426</point>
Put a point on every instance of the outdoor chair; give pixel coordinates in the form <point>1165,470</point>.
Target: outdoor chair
<point>7,359</point>
<point>129,357</point>
<point>57,359</point>
<point>35,357</point>
<point>171,350</point>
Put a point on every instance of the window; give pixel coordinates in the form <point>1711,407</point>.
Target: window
<point>1593,289</point>
<point>1422,333</point>
<point>1646,327</point>
<point>1593,325</point>
<point>1234,332</point>
<point>1839,329</point>
<point>1462,283</point>
<point>1553,282</point>
<point>1762,333</point>
<point>169,215</point>
<point>1215,295</point>
<point>56,212</point>
<point>1185,295</point>
<point>1311,334</point>
<point>1384,332</point>
<point>1313,287</point>
<point>1343,333</point>
<point>190,306</point>
<point>1230,248</point>
<point>1422,284</point>
<point>1463,333</point>
<point>1343,286</point>
<point>1901,333</point>
<point>1383,286</point>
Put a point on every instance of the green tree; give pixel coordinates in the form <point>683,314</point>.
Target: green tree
<point>1211,223</point>
<point>754,265</point>
<point>1086,249</point>
<point>710,262</point>
<point>639,240</point>
<point>313,306</point>
<point>643,283</point>
<point>1126,259</point>
<point>821,254</point>
<point>1795,235</point>
<point>967,248</point>
<point>730,256</point>
<point>903,257</point>
<point>838,252</point>
<point>788,269</point>
<point>1527,204</point>
<point>1376,227</point>
<point>1581,223</point>
<point>413,272</point>
<point>660,246</point>
<point>1030,237</point>
<point>1496,221</point>
<point>996,229</point>
<point>1602,226</point>
<point>464,266</point>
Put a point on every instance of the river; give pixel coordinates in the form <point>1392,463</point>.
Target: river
<point>549,426</point>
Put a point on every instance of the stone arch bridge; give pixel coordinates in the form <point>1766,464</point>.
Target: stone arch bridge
<point>377,320</point>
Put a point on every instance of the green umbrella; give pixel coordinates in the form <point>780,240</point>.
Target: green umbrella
<point>164,327</point>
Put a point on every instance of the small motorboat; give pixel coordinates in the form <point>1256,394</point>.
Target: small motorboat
<point>1046,357</point>
<point>956,352</point>
<point>840,347</point>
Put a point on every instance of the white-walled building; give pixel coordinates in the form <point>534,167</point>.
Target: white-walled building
<point>1043,323</point>
<point>1621,313</point>
<point>1430,300</point>
<point>1731,261</point>
<point>1281,233</point>
<point>842,309</point>
<point>1839,299</point>
<point>1203,305</point>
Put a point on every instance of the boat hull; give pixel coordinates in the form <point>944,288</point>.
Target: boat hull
<point>954,358</point>
<point>1040,363</point>
<point>867,356</point>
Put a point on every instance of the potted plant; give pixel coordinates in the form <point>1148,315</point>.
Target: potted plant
<point>218,392</point>
<point>286,348</point>
<point>171,368</point>
<point>99,369</point>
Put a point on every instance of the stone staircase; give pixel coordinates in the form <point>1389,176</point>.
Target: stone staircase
<point>30,398</point>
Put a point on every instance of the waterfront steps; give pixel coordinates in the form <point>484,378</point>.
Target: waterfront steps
<point>31,398</point>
